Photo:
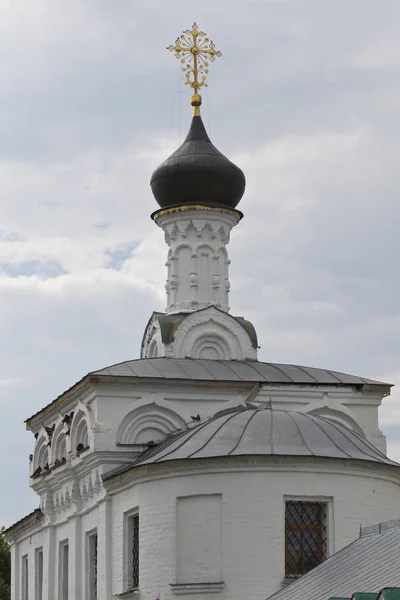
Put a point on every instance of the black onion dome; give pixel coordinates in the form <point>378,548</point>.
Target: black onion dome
<point>198,173</point>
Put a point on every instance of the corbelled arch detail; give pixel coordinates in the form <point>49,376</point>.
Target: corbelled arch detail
<point>148,423</point>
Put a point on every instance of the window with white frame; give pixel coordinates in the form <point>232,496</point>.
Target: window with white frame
<point>38,574</point>
<point>24,578</point>
<point>306,539</point>
<point>63,568</point>
<point>132,551</point>
<point>91,565</point>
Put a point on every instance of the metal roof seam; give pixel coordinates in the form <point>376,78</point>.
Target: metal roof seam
<point>190,433</point>
<point>252,415</point>
<point>333,373</point>
<point>356,435</point>
<point>229,418</point>
<point>304,369</point>
<point>300,432</point>
<point>327,434</point>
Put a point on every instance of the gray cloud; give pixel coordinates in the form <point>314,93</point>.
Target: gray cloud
<point>305,99</point>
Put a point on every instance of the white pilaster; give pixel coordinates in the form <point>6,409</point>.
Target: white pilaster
<point>198,264</point>
<point>49,564</point>
<point>15,570</point>
<point>104,551</point>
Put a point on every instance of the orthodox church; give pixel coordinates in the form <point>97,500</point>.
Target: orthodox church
<point>198,470</point>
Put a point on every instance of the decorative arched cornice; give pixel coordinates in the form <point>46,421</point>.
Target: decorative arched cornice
<point>231,338</point>
<point>341,415</point>
<point>148,423</point>
<point>216,330</point>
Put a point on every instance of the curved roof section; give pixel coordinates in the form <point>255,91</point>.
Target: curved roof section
<point>265,432</point>
<point>231,370</point>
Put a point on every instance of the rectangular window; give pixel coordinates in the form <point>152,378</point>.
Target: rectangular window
<point>132,552</point>
<point>91,568</point>
<point>24,578</point>
<point>63,567</point>
<point>38,574</point>
<point>305,536</point>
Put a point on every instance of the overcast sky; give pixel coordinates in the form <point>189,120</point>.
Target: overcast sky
<point>305,99</point>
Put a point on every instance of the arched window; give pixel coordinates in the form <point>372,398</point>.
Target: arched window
<point>59,448</point>
<point>41,457</point>
<point>80,434</point>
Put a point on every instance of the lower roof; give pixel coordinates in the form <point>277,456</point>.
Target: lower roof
<point>369,564</point>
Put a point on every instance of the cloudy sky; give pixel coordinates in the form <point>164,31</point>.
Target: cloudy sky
<point>305,99</point>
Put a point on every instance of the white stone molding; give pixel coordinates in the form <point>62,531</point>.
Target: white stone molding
<point>334,412</point>
<point>152,343</point>
<point>197,263</point>
<point>148,423</point>
<point>214,335</point>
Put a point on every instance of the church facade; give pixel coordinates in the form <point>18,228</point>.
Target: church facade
<point>197,469</point>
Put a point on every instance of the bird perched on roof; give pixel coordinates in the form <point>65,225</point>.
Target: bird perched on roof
<point>196,418</point>
<point>68,418</point>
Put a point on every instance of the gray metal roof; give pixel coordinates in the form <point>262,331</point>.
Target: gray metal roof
<point>368,564</point>
<point>219,370</point>
<point>231,370</point>
<point>262,432</point>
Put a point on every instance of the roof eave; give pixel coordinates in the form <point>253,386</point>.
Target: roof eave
<point>24,523</point>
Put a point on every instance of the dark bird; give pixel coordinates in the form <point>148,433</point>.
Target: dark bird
<point>30,457</point>
<point>67,432</point>
<point>36,435</point>
<point>46,467</point>
<point>197,418</point>
<point>37,472</point>
<point>68,418</point>
<point>80,447</point>
<point>49,444</point>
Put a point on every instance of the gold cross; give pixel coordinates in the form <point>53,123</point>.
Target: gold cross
<point>194,50</point>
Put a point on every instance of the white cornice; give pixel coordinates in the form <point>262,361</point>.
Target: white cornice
<point>172,469</point>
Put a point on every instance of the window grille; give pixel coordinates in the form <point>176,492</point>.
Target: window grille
<point>305,536</point>
<point>92,570</point>
<point>135,551</point>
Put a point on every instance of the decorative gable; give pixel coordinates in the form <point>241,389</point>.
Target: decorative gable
<point>208,333</point>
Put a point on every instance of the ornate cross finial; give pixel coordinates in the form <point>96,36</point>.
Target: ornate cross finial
<point>194,51</point>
